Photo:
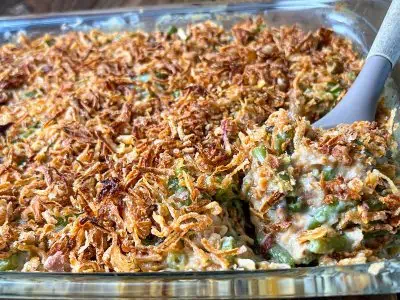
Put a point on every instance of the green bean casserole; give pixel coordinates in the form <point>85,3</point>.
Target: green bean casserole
<point>189,149</point>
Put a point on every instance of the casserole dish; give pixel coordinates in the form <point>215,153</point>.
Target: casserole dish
<point>342,17</point>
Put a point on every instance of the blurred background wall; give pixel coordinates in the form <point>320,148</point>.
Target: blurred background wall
<point>18,7</point>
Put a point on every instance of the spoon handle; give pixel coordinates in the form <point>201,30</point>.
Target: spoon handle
<point>387,41</point>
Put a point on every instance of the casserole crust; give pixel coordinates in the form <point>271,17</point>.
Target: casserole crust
<point>147,152</point>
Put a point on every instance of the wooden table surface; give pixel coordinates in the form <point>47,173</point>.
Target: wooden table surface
<point>20,7</point>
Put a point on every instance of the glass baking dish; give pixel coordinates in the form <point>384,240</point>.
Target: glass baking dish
<point>357,20</point>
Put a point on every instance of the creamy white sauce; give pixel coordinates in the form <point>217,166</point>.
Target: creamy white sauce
<point>310,190</point>
<point>307,158</point>
<point>289,239</point>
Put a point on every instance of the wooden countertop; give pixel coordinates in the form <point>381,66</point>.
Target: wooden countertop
<point>20,7</point>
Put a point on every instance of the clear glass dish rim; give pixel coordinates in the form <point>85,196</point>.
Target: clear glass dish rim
<point>395,262</point>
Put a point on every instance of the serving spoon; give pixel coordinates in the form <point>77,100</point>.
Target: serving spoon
<point>361,100</point>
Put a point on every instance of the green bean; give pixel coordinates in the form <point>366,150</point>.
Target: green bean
<point>260,236</point>
<point>352,76</point>
<point>322,215</point>
<point>237,205</point>
<point>31,94</point>
<point>281,139</point>
<point>161,75</point>
<point>286,161</point>
<point>61,223</point>
<point>281,255</point>
<point>21,161</point>
<point>173,183</point>
<point>260,28</point>
<point>229,193</point>
<point>172,30</point>
<point>259,153</point>
<point>329,244</point>
<point>179,191</point>
<point>26,134</point>
<point>358,142</point>
<point>50,42</point>
<point>337,93</point>
<point>284,176</point>
<point>328,173</point>
<point>327,214</point>
<point>320,246</point>
<point>228,243</point>
<point>374,234</point>
<point>296,204</point>
<point>176,94</point>
<point>375,205</point>
<point>30,130</point>
<point>176,260</point>
<point>180,170</point>
<point>10,263</point>
<point>219,178</point>
<point>335,89</point>
<point>205,195</point>
<point>152,240</point>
